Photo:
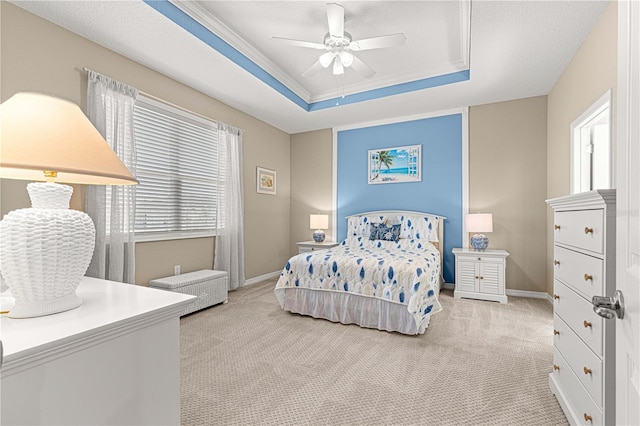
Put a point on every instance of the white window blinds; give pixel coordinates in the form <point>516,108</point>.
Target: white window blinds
<point>177,155</point>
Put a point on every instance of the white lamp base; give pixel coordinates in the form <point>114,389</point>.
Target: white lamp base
<point>45,251</point>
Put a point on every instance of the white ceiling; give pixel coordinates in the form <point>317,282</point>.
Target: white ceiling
<point>518,49</point>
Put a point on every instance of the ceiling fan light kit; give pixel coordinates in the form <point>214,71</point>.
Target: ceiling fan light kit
<point>339,44</point>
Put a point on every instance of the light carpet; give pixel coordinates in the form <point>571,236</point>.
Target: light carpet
<point>250,363</point>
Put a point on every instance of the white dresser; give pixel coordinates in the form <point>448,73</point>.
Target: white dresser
<point>583,375</point>
<point>480,274</point>
<point>115,360</point>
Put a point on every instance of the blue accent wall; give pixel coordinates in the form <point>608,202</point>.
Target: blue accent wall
<point>439,192</point>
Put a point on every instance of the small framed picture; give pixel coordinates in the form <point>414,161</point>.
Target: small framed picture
<point>266,181</point>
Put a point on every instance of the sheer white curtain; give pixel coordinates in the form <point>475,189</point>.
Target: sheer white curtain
<point>110,108</point>
<point>229,249</point>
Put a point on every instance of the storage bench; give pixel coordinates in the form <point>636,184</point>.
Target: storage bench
<point>209,286</point>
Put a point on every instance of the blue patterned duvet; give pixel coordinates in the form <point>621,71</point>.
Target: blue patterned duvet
<point>404,272</point>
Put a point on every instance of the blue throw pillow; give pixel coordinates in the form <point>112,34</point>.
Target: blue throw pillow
<point>380,231</point>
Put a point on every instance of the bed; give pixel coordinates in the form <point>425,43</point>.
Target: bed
<point>386,274</point>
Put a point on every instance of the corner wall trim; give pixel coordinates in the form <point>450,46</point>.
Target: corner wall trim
<point>261,278</point>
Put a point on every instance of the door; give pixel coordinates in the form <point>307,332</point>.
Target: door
<point>628,219</point>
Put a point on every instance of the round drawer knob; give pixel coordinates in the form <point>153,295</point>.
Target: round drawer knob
<point>588,277</point>
<point>587,370</point>
<point>587,418</point>
<point>587,324</point>
<point>588,230</point>
<point>556,367</point>
<point>556,226</point>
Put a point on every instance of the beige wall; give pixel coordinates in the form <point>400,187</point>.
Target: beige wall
<point>591,72</point>
<point>39,56</point>
<point>311,183</point>
<point>507,177</point>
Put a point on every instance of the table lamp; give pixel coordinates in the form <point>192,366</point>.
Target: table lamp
<point>45,250</point>
<point>318,222</point>
<point>479,222</point>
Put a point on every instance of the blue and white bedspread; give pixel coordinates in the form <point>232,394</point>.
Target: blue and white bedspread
<point>404,272</point>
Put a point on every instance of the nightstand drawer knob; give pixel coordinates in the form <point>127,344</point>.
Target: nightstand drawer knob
<point>588,277</point>
<point>556,367</point>
<point>556,262</point>
<point>588,230</point>
<point>556,332</point>
<point>587,417</point>
<point>587,370</point>
<point>479,258</point>
<point>556,296</point>
<point>556,227</point>
<point>587,324</point>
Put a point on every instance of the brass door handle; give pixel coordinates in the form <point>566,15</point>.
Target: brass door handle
<point>556,367</point>
<point>588,277</point>
<point>556,226</point>
<point>588,230</point>
<point>587,324</point>
<point>556,262</point>
<point>587,417</point>
<point>556,332</point>
<point>587,370</point>
<point>556,296</point>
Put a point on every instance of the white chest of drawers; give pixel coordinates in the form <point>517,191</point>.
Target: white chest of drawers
<point>583,376</point>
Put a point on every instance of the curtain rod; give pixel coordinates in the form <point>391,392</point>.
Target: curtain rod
<point>155,98</point>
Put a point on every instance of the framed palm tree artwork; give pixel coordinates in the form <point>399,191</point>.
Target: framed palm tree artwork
<point>395,165</point>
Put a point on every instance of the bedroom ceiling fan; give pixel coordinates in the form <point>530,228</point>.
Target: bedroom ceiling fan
<point>339,46</point>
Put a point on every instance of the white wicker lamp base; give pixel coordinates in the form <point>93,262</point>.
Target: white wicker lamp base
<point>45,251</point>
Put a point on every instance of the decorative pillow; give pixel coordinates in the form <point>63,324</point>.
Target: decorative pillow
<point>386,233</point>
<point>419,227</point>
<point>361,225</point>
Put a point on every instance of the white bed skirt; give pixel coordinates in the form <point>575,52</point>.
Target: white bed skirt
<point>349,308</point>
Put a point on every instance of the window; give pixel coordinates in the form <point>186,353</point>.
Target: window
<point>591,159</point>
<point>177,160</point>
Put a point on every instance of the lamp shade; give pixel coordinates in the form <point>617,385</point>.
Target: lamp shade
<point>319,221</point>
<point>479,222</point>
<point>41,133</point>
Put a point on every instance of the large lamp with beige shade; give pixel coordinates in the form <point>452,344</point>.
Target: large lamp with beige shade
<point>45,250</point>
<point>479,223</point>
<point>319,222</point>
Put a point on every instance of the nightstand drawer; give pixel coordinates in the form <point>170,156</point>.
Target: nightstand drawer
<point>583,229</point>
<point>585,364</point>
<point>582,272</point>
<point>578,397</point>
<point>578,314</point>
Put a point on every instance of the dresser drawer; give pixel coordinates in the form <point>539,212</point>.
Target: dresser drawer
<point>584,363</point>
<point>583,229</point>
<point>577,396</point>
<point>583,273</point>
<point>578,314</point>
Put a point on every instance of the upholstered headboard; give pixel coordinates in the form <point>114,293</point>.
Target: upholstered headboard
<point>414,225</point>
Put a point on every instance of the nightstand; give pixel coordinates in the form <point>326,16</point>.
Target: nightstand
<point>306,246</point>
<point>480,274</point>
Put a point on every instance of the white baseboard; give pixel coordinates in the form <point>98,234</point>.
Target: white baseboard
<point>261,278</point>
<point>449,286</point>
<point>530,294</point>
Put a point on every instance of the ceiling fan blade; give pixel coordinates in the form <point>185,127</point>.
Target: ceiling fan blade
<point>299,43</point>
<point>313,69</point>
<point>378,42</point>
<point>365,70</point>
<point>335,16</point>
